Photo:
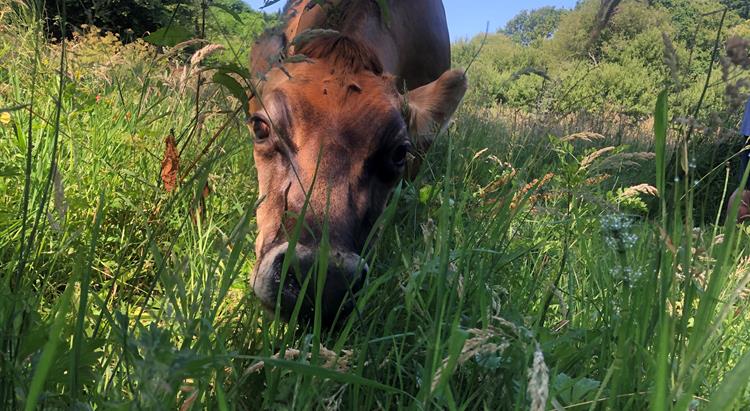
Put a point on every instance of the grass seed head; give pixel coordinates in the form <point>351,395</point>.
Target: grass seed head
<point>646,189</point>
<point>585,136</point>
<point>538,387</point>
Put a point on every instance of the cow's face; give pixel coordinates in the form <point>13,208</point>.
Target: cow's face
<point>331,141</point>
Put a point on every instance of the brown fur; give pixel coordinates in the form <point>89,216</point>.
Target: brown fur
<point>342,52</point>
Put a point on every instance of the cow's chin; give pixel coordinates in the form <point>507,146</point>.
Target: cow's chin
<point>344,277</point>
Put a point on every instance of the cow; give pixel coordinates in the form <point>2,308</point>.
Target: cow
<point>345,91</point>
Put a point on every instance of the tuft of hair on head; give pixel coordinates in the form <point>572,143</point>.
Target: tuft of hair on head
<point>342,51</point>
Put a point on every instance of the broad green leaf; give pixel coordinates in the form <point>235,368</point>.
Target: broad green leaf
<point>234,87</point>
<point>269,3</point>
<point>168,36</point>
<point>425,193</point>
<point>230,68</point>
<point>10,171</point>
<point>228,10</point>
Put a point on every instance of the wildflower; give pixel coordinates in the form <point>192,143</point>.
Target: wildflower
<point>5,118</point>
<point>98,97</point>
<point>617,230</point>
<point>629,275</point>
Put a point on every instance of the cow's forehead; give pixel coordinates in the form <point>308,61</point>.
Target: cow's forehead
<point>316,91</point>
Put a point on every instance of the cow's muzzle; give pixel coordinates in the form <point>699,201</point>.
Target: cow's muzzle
<point>341,279</point>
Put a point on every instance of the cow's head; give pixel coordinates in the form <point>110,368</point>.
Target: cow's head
<point>332,134</point>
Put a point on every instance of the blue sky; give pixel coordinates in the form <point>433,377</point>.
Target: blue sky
<point>469,17</point>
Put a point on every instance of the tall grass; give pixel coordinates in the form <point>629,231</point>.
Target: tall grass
<point>509,274</point>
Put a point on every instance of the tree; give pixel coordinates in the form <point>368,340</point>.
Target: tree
<point>741,7</point>
<point>530,26</point>
<point>125,17</point>
<point>132,19</point>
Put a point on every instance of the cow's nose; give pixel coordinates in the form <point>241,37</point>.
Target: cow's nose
<point>344,276</point>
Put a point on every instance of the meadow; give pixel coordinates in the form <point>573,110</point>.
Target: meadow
<point>529,265</point>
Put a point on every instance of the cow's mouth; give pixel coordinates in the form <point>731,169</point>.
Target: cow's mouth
<point>344,275</point>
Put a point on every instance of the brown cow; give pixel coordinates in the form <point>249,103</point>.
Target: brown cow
<point>332,133</point>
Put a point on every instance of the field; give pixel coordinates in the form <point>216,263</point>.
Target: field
<point>527,266</point>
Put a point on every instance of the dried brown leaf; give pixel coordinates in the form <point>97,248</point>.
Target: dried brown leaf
<point>170,165</point>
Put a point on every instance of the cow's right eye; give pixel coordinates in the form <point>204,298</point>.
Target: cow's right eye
<point>261,130</point>
<point>399,155</point>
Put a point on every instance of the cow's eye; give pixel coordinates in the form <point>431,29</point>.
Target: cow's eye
<point>399,155</point>
<point>260,127</point>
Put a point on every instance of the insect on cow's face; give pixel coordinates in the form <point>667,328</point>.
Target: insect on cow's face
<point>329,147</point>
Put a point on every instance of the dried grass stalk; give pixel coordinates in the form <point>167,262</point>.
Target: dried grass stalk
<point>646,189</point>
<point>333,361</point>
<point>535,184</point>
<point>204,52</point>
<point>589,159</point>
<point>477,345</point>
<point>586,136</point>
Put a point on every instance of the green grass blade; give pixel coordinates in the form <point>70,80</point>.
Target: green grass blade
<point>660,141</point>
<point>50,349</point>
<point>85,280</point>
<point>221,396</point>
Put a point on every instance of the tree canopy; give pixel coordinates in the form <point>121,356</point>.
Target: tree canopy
<point>529,26</point>
<point>133,19</point>
<point>545,59</point>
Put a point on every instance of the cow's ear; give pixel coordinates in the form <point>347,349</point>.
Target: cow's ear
<point>429,108</point>
<point>267,52</point>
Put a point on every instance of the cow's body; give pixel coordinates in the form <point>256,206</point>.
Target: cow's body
<point>332,131</point>
<point>412,42</point>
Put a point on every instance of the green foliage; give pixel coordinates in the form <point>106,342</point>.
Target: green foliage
<point>228,22</point>
<point>645,47</point>
<point>128,18</point>
<point>741,7</point>
<point>235,26</point>
<point>530,26</point>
